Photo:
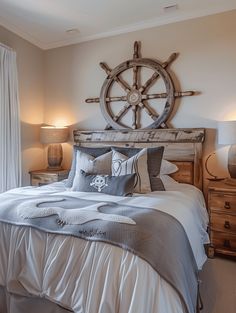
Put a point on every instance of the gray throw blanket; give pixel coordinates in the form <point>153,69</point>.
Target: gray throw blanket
<point>153,235</point>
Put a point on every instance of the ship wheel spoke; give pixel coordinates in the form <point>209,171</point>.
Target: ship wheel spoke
<point>149,82</point>
<point>179,94</point>
<point>164,95</point>
<point>108,99</point>
<point>123,84</point>
<point>156,75</point>
<point>135,116</point>
<point>149,110</point>
<point>171,58</point>
<point>135,68</point>
<point>116,99</point>
<point>122,112</point>
<point>135,77</point>
<point>154,96</point>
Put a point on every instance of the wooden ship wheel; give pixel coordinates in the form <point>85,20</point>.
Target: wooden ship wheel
<point>136,94</point>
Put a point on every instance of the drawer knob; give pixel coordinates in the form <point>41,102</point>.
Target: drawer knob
<point>227,205</point>
<point>227,225</point>
<point>227,243</point>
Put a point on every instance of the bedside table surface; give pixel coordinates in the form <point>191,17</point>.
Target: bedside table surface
<point>47,171</point>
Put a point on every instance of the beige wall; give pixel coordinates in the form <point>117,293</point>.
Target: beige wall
<point>206,63</point>
<point>31,89</point>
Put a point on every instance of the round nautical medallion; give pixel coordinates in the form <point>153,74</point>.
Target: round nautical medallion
<point>134,97</point>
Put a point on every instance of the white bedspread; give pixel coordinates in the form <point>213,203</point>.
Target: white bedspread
<point>93,277</point>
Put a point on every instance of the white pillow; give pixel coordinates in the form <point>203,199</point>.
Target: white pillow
<point>91,165</point>
<point>122,165</point>
<point>168,182</point>
<point>168,167</point>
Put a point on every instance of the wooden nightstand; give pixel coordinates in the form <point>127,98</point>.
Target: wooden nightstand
<point>44,177</point>
<point>222,212</point>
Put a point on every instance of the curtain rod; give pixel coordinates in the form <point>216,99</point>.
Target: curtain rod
<point>6,47</point>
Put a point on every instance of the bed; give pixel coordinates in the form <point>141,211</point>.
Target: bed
<point>58,272</point>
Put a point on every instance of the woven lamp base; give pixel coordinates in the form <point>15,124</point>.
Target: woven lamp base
<point>55,156</point>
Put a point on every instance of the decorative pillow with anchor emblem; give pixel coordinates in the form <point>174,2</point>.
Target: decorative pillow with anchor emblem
<point>113,185</point>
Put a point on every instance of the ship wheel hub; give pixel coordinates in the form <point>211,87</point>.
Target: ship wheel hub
<point>134,97</point>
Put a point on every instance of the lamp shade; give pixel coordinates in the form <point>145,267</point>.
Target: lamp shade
<point>51,134</point>
<point>227,132</point>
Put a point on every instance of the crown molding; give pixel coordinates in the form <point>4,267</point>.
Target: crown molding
<point>21,33</point>
<point>159,21</point>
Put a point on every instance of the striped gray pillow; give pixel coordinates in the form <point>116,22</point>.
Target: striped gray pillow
<point>154,158</point>
<point>123,165</point>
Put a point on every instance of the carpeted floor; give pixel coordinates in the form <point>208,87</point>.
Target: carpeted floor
<point>218,288</point>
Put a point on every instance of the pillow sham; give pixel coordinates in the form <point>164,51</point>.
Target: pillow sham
<point>113,185</point>
<point>87,163</point>
<point>95,152</point>
<point>154,157</point>
<point>123,165</point>
<point>167,167</point>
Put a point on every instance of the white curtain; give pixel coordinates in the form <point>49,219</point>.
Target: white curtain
<point>10,150</point>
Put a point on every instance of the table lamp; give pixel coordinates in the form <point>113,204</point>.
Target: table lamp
<point>54,136</point>
<point>227,136</point>
<point>212,176</point>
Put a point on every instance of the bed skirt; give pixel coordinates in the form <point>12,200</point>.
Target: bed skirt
<point>13,303</point>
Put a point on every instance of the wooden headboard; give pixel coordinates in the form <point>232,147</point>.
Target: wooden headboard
<point>182,146</point>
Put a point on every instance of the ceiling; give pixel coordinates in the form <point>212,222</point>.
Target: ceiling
<point>45,22</point>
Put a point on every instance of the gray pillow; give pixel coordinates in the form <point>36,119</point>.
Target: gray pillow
<point>95,152</point>
<point>154,163</point>
<point>89,164</point>
<point>113,185</point>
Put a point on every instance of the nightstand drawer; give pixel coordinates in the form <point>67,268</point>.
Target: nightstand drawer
<point>223,222</point>
<point>223,240</point>
<point>44,177</point>
<point>223,201</point>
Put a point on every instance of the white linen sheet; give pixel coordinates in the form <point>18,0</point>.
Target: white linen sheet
<point>94,277</point>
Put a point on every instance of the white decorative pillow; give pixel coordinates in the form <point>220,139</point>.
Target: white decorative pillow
<point>122,165</point>
<point>167,167</point>
<point>89,164</point>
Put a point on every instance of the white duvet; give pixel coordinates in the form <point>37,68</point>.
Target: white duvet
<point>94,277</point>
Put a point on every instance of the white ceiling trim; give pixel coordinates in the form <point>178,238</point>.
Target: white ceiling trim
<point>117,31</point>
